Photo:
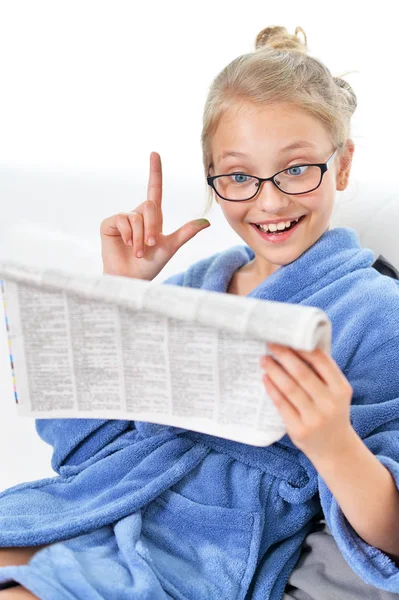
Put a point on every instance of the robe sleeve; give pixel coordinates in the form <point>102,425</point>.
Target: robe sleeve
<point>176,279</point>
<point>77,442</point>
<point>375,417</point>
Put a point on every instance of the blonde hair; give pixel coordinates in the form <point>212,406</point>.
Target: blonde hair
<point>279,70</point>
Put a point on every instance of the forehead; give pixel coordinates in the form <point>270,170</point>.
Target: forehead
<point>296,145</point>
<point>277,128</point>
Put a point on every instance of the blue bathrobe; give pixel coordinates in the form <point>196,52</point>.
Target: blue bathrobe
<point>148,512</point>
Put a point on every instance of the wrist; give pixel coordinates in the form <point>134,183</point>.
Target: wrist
<point>346,444</point>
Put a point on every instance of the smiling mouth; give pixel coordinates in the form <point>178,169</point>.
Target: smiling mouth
<point>279,232</point>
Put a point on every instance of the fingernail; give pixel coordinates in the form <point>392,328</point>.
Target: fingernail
<point>151,241</point>
<point>201,222</point>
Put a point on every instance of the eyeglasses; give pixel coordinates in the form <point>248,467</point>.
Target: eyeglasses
<point>305,179</point>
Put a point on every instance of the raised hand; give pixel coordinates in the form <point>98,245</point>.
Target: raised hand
<point>126,244</point>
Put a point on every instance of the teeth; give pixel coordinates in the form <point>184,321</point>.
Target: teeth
<point>277,226</point>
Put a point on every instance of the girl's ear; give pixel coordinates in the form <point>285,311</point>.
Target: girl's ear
<point>345,164</point>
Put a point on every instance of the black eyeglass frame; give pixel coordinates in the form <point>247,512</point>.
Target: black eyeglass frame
<point>323,168</point>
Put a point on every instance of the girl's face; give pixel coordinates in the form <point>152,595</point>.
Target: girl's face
<point>261,135</point>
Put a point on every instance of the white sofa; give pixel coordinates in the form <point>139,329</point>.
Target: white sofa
<point>58,217</point>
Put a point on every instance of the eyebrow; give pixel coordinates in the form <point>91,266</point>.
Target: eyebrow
<point>293,146</point>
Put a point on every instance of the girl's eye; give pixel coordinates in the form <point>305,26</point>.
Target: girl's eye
<point>298,170</point>
<point>238,175</point>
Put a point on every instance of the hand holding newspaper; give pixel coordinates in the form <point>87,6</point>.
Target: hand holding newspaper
<point>113,347</point>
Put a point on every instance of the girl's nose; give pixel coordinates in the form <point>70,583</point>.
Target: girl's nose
<point>270,198</point>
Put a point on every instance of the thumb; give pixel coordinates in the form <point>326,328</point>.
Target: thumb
<point>188,231</point>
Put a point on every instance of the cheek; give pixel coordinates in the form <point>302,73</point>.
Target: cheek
<point>320,204</point>
<point>234,213</point>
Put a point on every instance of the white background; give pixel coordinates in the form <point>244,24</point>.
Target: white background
<point>94,86</point>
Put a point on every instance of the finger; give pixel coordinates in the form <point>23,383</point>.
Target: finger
<point>150,222</point>
<point>137,225</point>
<point>326,367</point>
<point>289,387</point>
<point>154,191</point>
<point>287,411</point>
<point>309,378</point>
<point>186,232</point>
<point>122,225</point>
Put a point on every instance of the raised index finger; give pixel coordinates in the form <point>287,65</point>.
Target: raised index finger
<point>154,191</point>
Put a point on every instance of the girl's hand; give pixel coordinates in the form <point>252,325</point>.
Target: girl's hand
<point>124,236</point>
<point>312,396</point>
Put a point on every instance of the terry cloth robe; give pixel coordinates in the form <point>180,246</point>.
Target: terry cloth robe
<point>148,512</point>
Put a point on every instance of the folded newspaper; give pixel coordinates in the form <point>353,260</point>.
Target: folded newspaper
<point>112,347</point>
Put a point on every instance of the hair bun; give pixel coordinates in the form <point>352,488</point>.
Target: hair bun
<point>277,37</point>
<point>349,93</point>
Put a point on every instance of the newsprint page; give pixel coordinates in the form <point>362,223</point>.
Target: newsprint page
<point>112,347</point>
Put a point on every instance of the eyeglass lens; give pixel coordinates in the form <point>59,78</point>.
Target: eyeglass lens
<point>295,180</point>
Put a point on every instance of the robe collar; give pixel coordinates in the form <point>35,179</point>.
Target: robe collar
<point>336,253</point>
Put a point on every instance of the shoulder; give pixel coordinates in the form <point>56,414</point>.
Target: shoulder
<point>378,295</point>
<point>371,308</point>
<point>195,275</point>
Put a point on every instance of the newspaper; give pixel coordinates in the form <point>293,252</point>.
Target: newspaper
<point>112,347</point>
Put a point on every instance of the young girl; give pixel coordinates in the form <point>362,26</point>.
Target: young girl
<point>144,511</point>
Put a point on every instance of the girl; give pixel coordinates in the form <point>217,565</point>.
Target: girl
<point>146,511</point>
